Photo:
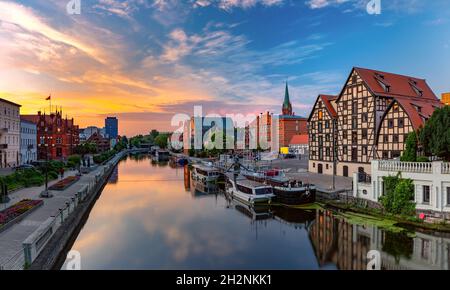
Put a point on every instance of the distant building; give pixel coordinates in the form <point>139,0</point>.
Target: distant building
<point>196,131</point>
<point>86,133</point>
<point>446,99</point>
<point>299,145</point>
<point>289,125</point>
<point>103,144</point>
<point>9,134</point>
<point>111,128</point>
<point>375,111</point>
<point>56,136</point>
<point>28,142</point>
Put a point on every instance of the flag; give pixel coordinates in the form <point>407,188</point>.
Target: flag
<point>49,98</point>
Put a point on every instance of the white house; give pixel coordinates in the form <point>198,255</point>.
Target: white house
<point>28,142</point>
<point>431,184</point>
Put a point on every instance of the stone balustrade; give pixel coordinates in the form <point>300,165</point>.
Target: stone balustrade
<point>398,166</point>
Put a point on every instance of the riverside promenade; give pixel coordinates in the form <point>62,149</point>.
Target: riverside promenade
<point>11,248</point>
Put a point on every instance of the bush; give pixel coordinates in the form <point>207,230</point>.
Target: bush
<point>398,196</point>
<point>423,159</point>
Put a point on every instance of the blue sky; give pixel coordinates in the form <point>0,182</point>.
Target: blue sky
<point>145,60</point>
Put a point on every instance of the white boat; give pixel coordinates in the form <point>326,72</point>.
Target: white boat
<point>248,191</point>
<point>161,156</point>
<point>205,173</point>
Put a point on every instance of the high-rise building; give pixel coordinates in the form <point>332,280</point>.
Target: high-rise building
<point>111,127</point>
<point>9,134</point>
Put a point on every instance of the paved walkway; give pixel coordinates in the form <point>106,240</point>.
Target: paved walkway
<point>12,238</point>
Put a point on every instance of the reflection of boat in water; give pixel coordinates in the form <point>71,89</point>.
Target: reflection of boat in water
<point>176,161</point>
<point>205,173</point>
<point>286,191</point>
<point>206,188</point>
<point>248,191</point>
<point>294,217</point>
<point>255,212</point>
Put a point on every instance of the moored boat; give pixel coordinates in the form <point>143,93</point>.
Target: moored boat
<point>249,191</point>
<point>205,173</point>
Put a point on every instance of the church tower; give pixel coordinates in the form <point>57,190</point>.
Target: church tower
<point>287,106</point>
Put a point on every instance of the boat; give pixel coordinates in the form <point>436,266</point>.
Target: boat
<point>161,156</point>
<point>205,173</point>
<point>286,191</point>
<point>248,191</point>
<point>176,161</point>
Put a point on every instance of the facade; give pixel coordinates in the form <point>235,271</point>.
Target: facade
<point>446,99</point>
<point>299,145</point>
<point>431,184</point>
<point>289,125</point>
<point>28,142</point>
<point>111,128</point>
<point>9,134</point>
<point>103,144</point>
<point>367,109</point>
<point>86,133</point>
<point>56,136</point>
<point>323,135</point>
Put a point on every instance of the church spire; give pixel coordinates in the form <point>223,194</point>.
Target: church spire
<point>287,106</point>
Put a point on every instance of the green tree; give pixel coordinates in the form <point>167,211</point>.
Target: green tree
<point>153,134</point>
<point>161,140</point>
<point>435,135</point>
<point>410,153</point>
<point>398,195</point>
<point>85,149</point>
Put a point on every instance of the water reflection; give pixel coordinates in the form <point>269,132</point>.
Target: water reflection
<point>154,218</point>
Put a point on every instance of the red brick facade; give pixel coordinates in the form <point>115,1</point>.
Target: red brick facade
<point>56,136</point>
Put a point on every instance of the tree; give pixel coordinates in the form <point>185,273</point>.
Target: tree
<point>161,140</point>
<point>398,195</point>
<point>153,134</point>
<point>85,149</point>
<point>410,153</point>
<point>435,135</point>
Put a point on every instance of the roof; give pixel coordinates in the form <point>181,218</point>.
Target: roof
<point>48,119</point>
<point>326,99</point>
<point>399,85</point>
<point>299,140</point>
<point>9,102</point>
<point>22,120</point>
<point>410,105</point>
<point>287,101</point>
<point>250,183</point>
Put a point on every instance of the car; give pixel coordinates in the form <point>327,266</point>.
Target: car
<point>23,167</point>
<point>290,156</point>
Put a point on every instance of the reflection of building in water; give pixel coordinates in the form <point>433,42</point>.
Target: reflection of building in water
<point>187,178</point>
<point>345,245</point>
<point>114,178</point>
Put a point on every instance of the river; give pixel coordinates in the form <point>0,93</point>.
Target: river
<point>152,216</point>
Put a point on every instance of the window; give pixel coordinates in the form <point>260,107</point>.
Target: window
<point>426,193</point>
<point>354,79</point>
<point>365,117</point>
<point>401,123</point>
<point>320,141</point>
<point>355,137</point>
<point>327,152</point>
<point>320,128</point>
<point>365,102</point>
<point>355,123</point>
<point>448,196</point>
<point>364,133</point>
<point>320,115</point>
<point>344,135</point>
<point>396,138</point>
<point>345,149</point>
<point>364,150</point>
<point>327,124</point>
<point>355,108</point>
<point>385,138</point>
<point>390,124</point>
<point>354,154</point>
<point>385,155</point>
<point>395,108</point>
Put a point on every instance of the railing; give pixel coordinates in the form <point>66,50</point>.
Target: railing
<point>364,178</point>
<point>415,167</point>
<point>445,168</point>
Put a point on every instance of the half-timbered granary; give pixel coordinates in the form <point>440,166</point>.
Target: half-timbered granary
<point>374,112</point>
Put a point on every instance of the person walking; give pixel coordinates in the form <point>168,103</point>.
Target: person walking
<point>61,171</point>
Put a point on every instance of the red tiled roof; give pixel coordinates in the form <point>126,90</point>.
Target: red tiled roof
<point>399,85</point>
<point>48,119</point>
<point>427,108</point>
<point>299,140</point>
<point>327,101</point>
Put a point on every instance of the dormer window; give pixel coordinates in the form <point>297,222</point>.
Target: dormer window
<point>416,89</point>
<point>380,78</point>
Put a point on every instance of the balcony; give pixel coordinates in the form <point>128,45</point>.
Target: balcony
<point>3,146</point>
<point>413,167</point>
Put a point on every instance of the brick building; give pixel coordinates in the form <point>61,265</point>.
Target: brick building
<point>56,136</point>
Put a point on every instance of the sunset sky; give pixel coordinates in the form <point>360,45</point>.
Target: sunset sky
<point>146,60</point>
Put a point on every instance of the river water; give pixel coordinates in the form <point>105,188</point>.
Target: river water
<point>152,216</point>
